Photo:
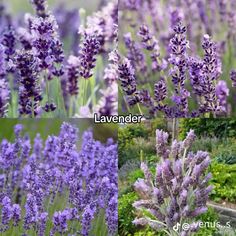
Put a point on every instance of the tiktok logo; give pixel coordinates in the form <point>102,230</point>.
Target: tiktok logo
<point>176,227</point>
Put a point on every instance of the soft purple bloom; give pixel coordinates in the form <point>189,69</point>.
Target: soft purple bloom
<point>222,92</point>
<point>87,55</point>
<point>233,77</point>
<point>177,194</point>
<point>27,67</point>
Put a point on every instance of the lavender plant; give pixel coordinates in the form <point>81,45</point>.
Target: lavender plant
<point>51,187</point>
<point>67,72</point>
<point>181,58</point>
<point>172,198</point>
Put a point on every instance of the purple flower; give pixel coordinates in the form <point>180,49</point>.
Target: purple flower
<point>147,39</point>
<point>72,74</point>
<point>60,221</point>
<point>87,217</point>
<point>161,143</point>
<point>233,77</point>
<point>30,90</point>
<point>40,7</point>
<point>42,226</point>
<point>31,212</point>
<point>160,91</point>
<point>47,45</point>
<point>112,214</point>
<point>4,89</point>
<point>222,92</point>
<point>189,140</point>
<point>87,55</point>
<point>9,41</point>
<point>128,81</point>
<point>6,212</point>
<point>16,214</point>
<point>135,55</point>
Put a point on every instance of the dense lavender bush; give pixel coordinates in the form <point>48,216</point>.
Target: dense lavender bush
<point>177,193</point>
<point>75,79</point>
<point>50,187</point>
<point>178,58</point>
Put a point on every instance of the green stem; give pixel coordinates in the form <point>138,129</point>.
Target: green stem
<point>139,108</point>
<point>85,91</point>
<point>127,106</point>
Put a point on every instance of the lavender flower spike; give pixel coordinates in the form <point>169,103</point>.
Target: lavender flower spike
<point>4,89</point>
<point>88,53</point>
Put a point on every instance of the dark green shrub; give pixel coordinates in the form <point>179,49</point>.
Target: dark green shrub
<point>219,127</point>
<point>126,214</point>
<point>134,138</point>
<point>128,167</point>
<point>207,144</point>
<point>226,153</point>
<point>224,182</point>
<point>126,185</point>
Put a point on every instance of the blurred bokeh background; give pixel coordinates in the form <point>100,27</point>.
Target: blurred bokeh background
<point>24,5</point>
<point>52,127</point>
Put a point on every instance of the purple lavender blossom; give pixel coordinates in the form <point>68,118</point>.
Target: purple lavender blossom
<point>128,82</point>
<point>30,91</point>
<point>40,7</point>
<point>47,45</point>
<point>4,90</point>
<point>87,55</point>
<point>9,41</point>
<point>160,91</point>
<point>6,213</point>
<point>233,77</point>
<point>72,74</point>
<point>222,92</point>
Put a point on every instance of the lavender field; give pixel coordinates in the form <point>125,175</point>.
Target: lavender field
<point>62,184</point>
<point>57,58</point>
<point>177,58</point>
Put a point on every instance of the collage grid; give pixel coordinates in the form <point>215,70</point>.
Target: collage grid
<point>117,118</point>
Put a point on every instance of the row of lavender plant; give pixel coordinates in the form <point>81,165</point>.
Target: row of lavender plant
<point>51,187</point>
<point>177,193</point>
<point>40,77</point>
<point>178,57</point>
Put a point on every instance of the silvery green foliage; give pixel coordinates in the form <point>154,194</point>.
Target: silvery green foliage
<point>171,198</point>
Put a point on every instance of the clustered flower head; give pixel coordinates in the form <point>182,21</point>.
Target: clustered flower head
<point>163,44</point>
<point>178,190</point>
<point>29,90</point>
<point>37,175</point>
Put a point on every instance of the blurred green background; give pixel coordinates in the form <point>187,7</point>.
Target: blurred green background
<point>24,5</point>
<point>52,127</point>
